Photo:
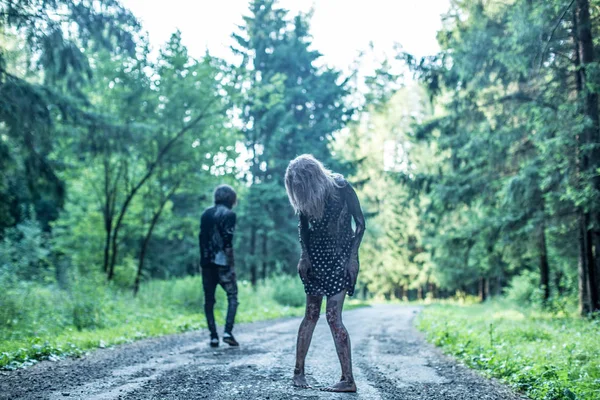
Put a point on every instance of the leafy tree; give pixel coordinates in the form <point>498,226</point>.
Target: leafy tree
<point>396,262</point>
<point>166,119</point>
<point>40,85</point>
<point>519,132</point>
<point>290,106</point>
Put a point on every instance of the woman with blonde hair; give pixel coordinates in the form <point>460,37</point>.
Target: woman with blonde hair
<point>325,203</point>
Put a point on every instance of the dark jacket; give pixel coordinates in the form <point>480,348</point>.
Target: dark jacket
<point>217,226</point>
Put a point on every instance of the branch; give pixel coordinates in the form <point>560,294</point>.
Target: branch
<point>566,56</point>
<point>148,235</point>
<point>552,33</point>
<point>519,96</point>
<point>148,174</point>
<point>113,194</point>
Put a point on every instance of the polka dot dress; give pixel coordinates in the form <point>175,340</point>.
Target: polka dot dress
<point>329,244</point>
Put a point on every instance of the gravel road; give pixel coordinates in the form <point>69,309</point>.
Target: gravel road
<point>391,361</point>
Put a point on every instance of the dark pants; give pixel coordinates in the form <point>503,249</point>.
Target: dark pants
<point>213,275</point>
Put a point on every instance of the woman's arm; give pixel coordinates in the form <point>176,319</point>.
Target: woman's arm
<point>303,233</point>
<point>304,263</point>
<point>359,219</point>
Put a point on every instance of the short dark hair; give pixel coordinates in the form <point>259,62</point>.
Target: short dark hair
<point>225,195</point>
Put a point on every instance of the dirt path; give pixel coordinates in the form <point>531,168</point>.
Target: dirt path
<point>391,361</point>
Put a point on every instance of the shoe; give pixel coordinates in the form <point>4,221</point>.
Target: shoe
<point>214,342</point>
<point>230,340</point>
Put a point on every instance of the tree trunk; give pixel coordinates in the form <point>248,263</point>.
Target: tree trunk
<point>149,172</point>
<point>107,213</point>
<point>597,269</point>
<point>397,292</point>
<point>265,260</point>
<point>499,283</point>
<point>544,265</point>
<point>107,229</point>
<point>433,290</point>
<point>558,275</point>
<point>138,275</point>
<point>482,292</point>
<point>61,269</point>
<point>590,159</point>
<point>146,240</point>
<point>253,267</point>
<point>590,269</point>
<point>584,300</point>
<point>115,237</point>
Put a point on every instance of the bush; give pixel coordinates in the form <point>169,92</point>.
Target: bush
<point>524,288</point>
<point>125,272</point>
<point>288,291</point>
<point>24,252</point>
<point>10,307</point>
<point>183,293</point>
<point>89,302</point>
<point>28,309</point>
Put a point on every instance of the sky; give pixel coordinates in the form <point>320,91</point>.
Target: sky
<point>340,28</point>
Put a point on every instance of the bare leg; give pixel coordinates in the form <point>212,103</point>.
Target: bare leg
<point>307,327</point>
<point>341,339</point>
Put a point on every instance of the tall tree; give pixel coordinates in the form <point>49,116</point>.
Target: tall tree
<point>290,107</point>
<point>521,153</point>
<point>166,118</point>
<point>590,154</point>
<point>45,87</point>
<point>379,143</point>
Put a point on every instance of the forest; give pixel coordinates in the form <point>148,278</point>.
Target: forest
<point>478,168</point>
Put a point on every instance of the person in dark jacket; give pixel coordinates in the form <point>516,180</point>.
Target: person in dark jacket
<point>217,226</point>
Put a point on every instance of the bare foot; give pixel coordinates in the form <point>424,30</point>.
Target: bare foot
<point>300,381</point>
<point>342,386</point>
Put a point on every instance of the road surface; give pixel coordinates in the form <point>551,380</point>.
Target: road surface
<point>391,361</point>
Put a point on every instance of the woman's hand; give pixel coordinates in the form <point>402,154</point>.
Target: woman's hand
<point>352,269</point>
<point>303,267</point>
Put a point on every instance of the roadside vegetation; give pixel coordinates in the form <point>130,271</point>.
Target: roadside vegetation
<point>546,354</point>
<point>47,323</point>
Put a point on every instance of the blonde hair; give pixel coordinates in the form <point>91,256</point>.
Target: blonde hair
<point>309,184</point>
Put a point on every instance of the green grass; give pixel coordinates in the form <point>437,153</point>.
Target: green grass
<point>542,355</point>
<point>42,322</point>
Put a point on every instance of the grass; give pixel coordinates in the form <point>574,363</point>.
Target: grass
<point>545,356</point>
<point>45,323</point>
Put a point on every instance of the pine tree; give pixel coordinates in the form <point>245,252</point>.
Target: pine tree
<point>519,130</point>
<point>290,107</point>
<point>43,86</point>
